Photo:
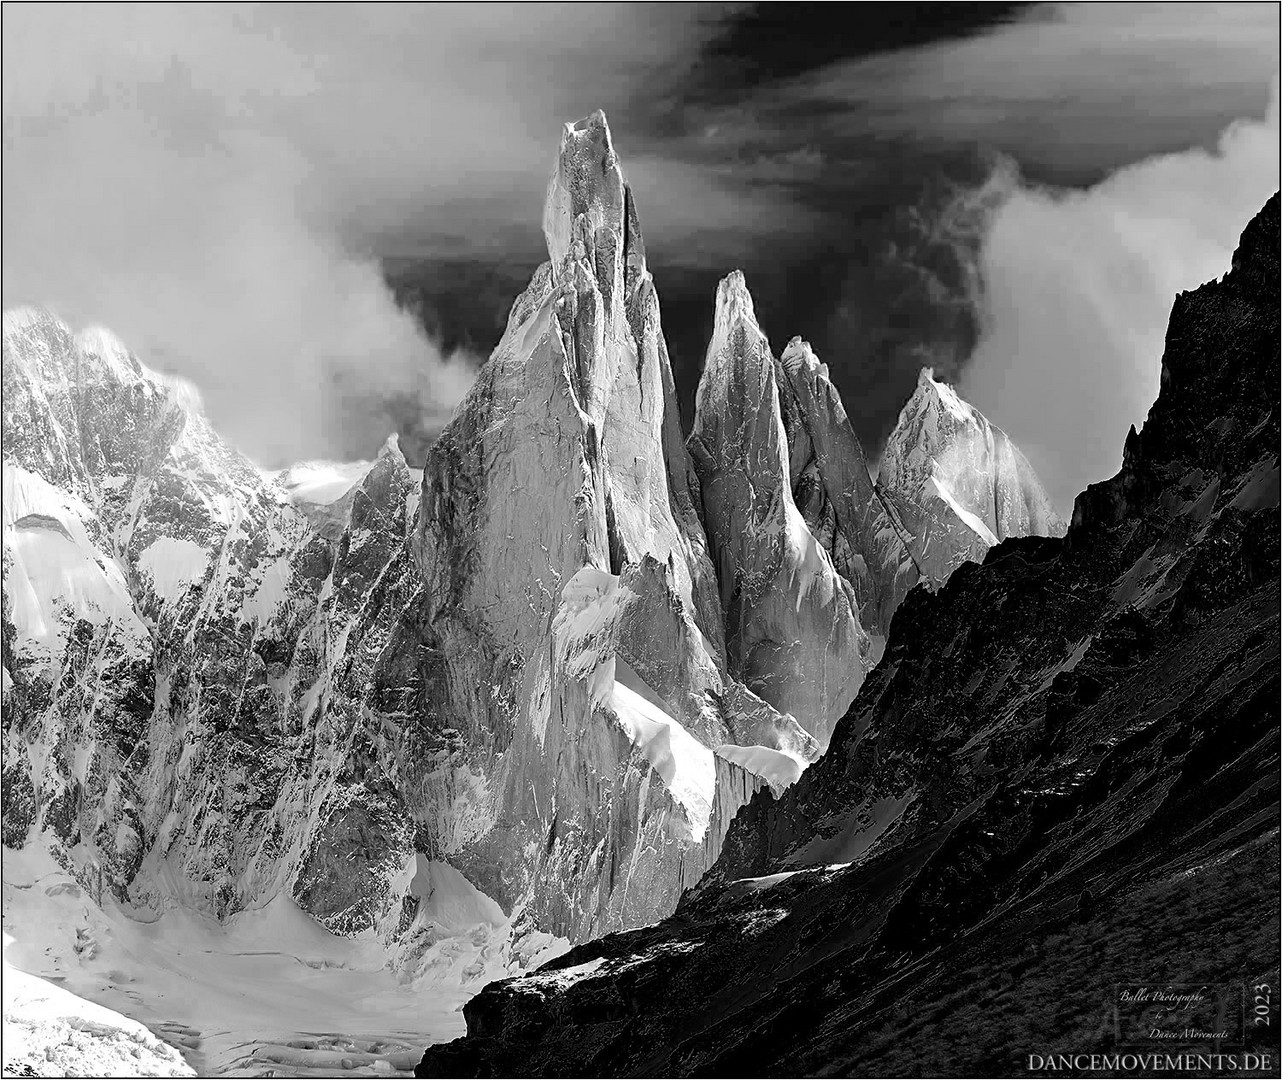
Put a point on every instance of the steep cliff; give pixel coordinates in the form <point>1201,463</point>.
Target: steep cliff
<point>792,625</point>
<point>813,556</point>
<point>568,585</point>
<point>837,497</point>
<point>1062,776</point>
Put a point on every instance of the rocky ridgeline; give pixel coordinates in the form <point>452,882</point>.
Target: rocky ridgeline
<point>1062,777</point>
<point>560,665</point>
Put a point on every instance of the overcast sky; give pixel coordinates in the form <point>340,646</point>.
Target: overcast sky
<point>1011,193</point>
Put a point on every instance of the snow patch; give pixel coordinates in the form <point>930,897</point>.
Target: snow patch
<point>448,900</point>
<point>266,989</point>
<point>56,575</point>
<point>685,764</point>
<point>173,565</point>
<point>777,768</point>
<point>971,521</point>
<point>271,592</point>
<point>573,973</point>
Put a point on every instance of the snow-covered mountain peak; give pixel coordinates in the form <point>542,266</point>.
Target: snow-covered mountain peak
<point>738,363</point>
<point>734,309</point>
<point>391,448</point>
<point>587,180</point>
<point>559,664</point>
<point>99,342</point>
<point>49,351</point>
<point>956,483</point>
<point>929,436</point>
<point>933,389</point>
<point>798,356</point>
<point>792,631</point>
<point>81,410</point>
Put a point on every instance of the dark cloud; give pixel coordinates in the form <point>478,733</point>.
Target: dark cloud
<point>907,150</point>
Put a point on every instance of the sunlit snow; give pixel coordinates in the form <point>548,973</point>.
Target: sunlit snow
<point>268,992</point>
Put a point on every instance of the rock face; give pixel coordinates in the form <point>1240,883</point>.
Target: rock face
<point>191,659</point>
<point>792,626</point>
<point>812,555</point>
<point>1062,776</point>
<point>837,497</point>
<point>558,664</point>
<point>570,594</point>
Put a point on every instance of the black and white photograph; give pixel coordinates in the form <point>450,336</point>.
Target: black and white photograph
<point>641,540</point>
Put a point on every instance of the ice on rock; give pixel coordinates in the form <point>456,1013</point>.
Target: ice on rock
<point>836,495</point>
<point>566,568</point>
<point>956,484</point>
<point>791,621</point>
<point>55,575</point>
<point>173,564</point>
<point>951,485</point>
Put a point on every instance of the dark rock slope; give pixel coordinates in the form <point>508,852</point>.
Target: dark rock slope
<point>1062,776</point>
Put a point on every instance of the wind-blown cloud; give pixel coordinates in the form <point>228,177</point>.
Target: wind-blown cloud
<point>1045,290</point>
<point>213,183</point>
<point>1078,287</point>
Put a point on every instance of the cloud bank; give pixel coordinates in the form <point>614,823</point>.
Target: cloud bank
<point>1078,287</point>
<point>213,182</point>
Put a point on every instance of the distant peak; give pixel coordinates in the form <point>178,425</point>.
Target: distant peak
<point>593,125</point>
<point>390,457</point>
<point>942,395</point>
<point>22,318</point>
<point>100,342</point>
<point>391,447</point>
<point>92,353</point>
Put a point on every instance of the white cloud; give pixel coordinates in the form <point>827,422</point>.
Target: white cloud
<point>211,182</point>
<point>1078,287</point>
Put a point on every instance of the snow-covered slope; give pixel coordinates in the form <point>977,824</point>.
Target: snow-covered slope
<point>264,990</point>
<point>49,1031</point>
<point>956,483</point>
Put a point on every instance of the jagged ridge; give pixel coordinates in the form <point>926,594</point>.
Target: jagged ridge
<point>1063,773</point>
